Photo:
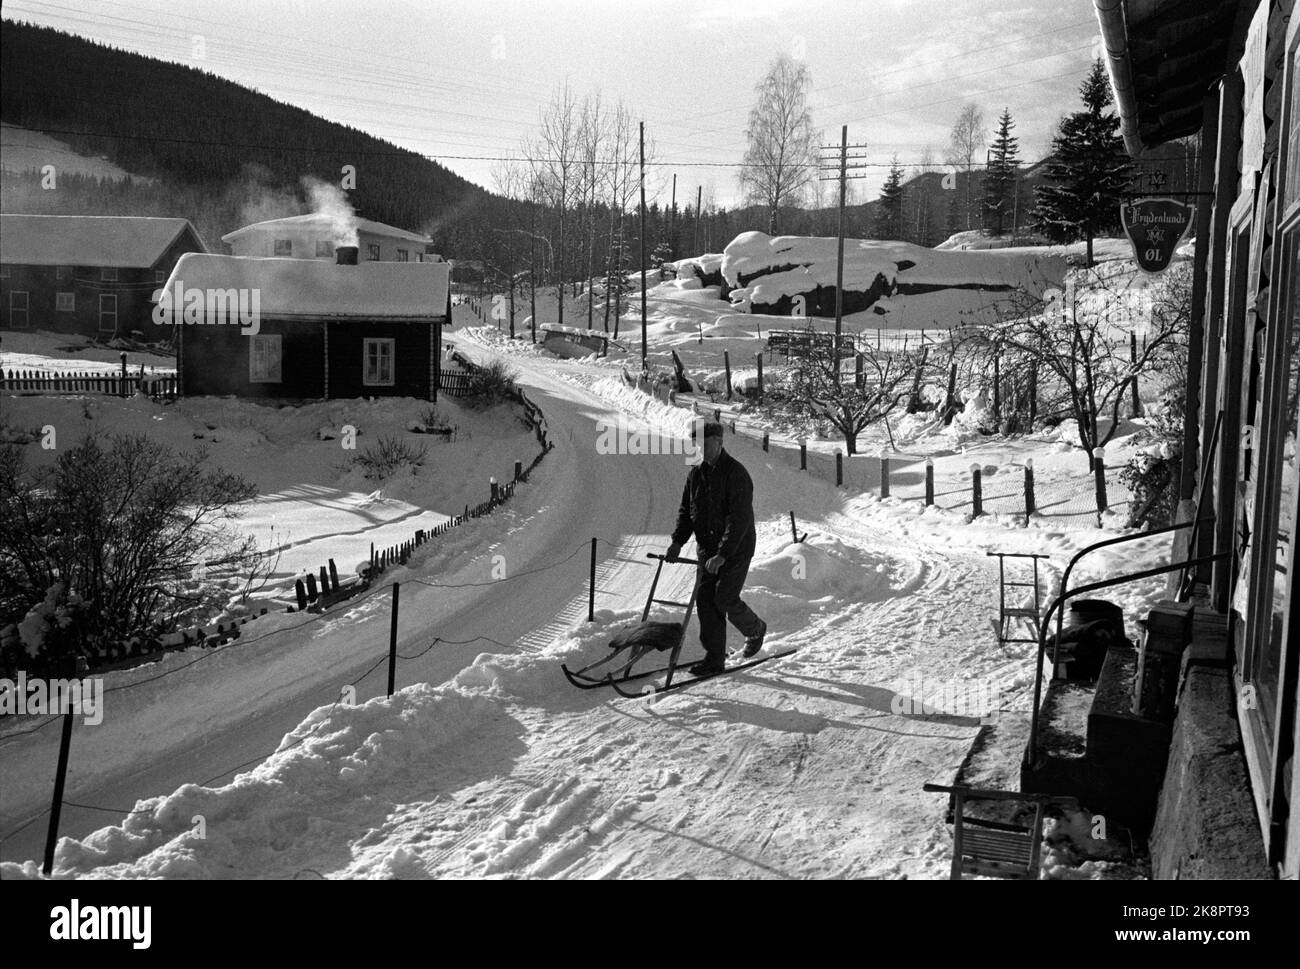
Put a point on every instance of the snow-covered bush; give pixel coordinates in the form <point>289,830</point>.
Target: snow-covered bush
<point>119,524</point>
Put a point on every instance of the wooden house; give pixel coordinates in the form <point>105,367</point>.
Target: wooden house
<point>94,275</point>
<point>1228,73</point>
<point>307,329</point>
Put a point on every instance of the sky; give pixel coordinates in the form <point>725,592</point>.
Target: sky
<point>465,82</point>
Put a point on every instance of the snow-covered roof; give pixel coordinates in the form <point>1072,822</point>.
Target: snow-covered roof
<point>316,289</point>
<point>319,220</point>
<point>118,241</point>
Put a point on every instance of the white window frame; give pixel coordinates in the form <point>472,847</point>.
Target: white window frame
<point>265,359</point>
<point>278,244</point>
<point>65,302</point>
<point>403,255</point>
<point>375,378</point>
<point>108,313</point>
<point>108,274</point>
<point>25,309</point>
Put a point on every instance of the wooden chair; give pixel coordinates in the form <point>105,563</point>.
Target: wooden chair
<point>995,849</point>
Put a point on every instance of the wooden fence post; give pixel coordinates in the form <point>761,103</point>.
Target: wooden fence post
<point>1136,410</point>
<point>334,577</point>
<point>803,455</point>
<point>884,474</point>
<point>839,467</point>
<point>591,595</point>
<point>929,481</point>
<point>1099,470</point>
<point>1031,503</point>
<point>765,441</point>
<point>392,641</point>
<point>759,358</point>
<point>977,490</point>
<point>726,363</point>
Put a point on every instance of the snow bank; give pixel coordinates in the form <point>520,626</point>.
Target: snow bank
<point>339,771</point>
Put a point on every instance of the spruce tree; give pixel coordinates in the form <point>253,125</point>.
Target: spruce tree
<point>889,208</point>
<point>1089,170</point>
<point>1002,175</point>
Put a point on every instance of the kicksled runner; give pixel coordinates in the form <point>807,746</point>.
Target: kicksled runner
<point>631,646</point>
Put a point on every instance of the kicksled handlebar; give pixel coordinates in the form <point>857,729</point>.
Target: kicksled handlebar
<point>665,558</point>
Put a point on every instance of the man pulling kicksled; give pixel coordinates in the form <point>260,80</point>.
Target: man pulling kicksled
<point>718,509</point>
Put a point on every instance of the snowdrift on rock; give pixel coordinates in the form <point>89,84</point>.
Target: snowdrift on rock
<point>767,274</point>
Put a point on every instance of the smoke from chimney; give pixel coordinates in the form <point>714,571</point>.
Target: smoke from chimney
<point>330,201</point>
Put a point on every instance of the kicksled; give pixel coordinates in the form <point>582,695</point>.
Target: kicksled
<point>633,645</point>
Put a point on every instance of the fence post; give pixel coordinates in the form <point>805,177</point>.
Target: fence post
<point>334,576</point>
<point>1099,469</point>
<point>1031,504</point>
<point>884,474</point>
<point>803,455</point>
<point>324,580</point>
<point>123,387</point>
<point>857,371</point>
<point>929,481</point>
<point>1133,358</point>
<point>759,358</point>
<point>392,641</point>
<point>839,467</point>
<point>519,469</point>
<point>977,490</point>
<point>60,775</point>
<point>492,484</point>
<point>300,593</point>
<point>717,414</point>
<point>726,363</point>
<point>591,595</point>
<point>765,441</point>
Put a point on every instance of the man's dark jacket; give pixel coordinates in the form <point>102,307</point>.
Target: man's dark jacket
<point>718,508</point>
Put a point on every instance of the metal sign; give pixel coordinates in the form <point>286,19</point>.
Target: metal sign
<point>1155,226</point>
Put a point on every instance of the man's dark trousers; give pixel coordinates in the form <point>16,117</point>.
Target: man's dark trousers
<point>718,600</point>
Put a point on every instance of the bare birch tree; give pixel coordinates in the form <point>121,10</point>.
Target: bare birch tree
<point>781,161</point>
<point>964,143</point>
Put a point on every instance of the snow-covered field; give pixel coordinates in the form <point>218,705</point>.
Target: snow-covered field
<point>487,763</point>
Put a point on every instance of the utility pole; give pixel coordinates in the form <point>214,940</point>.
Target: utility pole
<point>699,198</point>
<point>643,338</point>
<point>842,169</point>
<point>672,219</point>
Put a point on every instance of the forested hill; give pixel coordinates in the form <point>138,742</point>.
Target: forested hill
<point>222,154</point>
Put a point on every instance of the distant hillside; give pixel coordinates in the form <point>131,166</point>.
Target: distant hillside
<point>223,154</point>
